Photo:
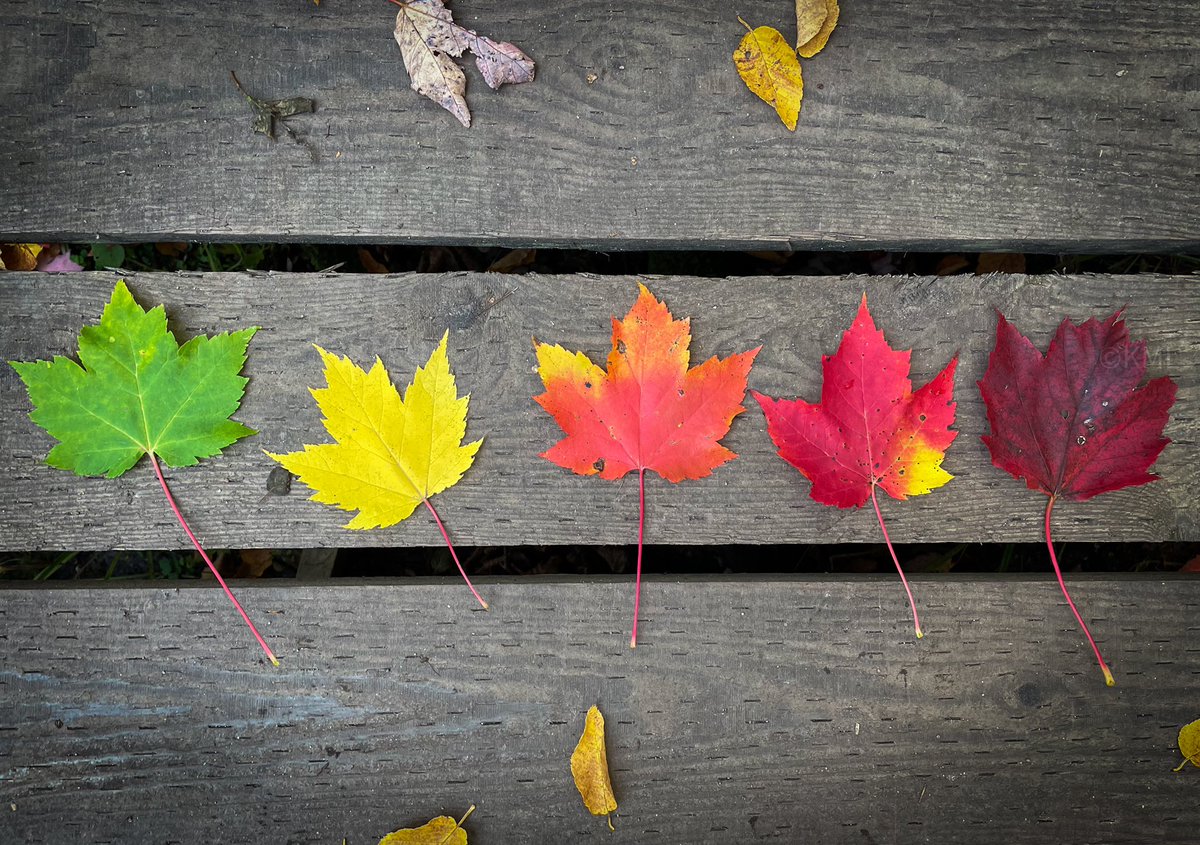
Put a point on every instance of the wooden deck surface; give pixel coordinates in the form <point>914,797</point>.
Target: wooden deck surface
<point>766,709</point>
<point>1054,125</point>
<point>513,497</point>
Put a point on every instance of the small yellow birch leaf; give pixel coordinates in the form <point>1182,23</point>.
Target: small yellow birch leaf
<point>815,45</point>
<point>19,256</point>
<point>769,67</point>
<point>1189,744</point>
<point>810,16</point>
<point>440,831</point>
<point>589,767</point>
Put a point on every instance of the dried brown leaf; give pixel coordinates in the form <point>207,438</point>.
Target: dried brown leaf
<point>428,37</point>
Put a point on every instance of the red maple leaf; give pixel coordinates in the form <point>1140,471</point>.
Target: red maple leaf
<point>648,411</point>
<point>869,430</point>
<point>1074,423</point>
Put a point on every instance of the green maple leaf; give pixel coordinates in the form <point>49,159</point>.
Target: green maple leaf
<point>138,392</point>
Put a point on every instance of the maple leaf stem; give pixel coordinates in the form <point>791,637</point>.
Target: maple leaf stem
<point>911,601</point>
<point>187,530</point>
<point>1108,677</point>
<point>637,589</point>
<point>454,554</point>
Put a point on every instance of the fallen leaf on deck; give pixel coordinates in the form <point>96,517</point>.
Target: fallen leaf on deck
<point>442,830</point>
<point>589,767</point>
<point>648,411</point>
<point>19,256</point>
<point>1189,745</point>
<point>135,392</point>
<point>870,430</point>
<point>390,454</point>
<point>1074,423</point>
<point>810,17</point>
<point>428,37</point>
<point>268,112</point>
<point>817,43</point>
<point>769,67</point>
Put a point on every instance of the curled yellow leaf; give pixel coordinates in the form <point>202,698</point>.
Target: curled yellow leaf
<point>589,767</point>
<point>817,43</point>
<point>1189,744</point>
<point>769,67</point>
<point>442,830</point>
<point>810,16</point>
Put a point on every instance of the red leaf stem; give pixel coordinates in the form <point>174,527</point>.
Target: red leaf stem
<point>1108,678</point>
<point>454,554</point>
<point>637,589</point>
<point>204,554</point>
<point>911,601</point>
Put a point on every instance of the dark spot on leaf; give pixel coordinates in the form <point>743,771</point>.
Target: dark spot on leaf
<point>598,466</point>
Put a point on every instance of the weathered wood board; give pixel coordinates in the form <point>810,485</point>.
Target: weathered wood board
<point>511,496</point>
<point>1057,126</point>
<point>761,709</point>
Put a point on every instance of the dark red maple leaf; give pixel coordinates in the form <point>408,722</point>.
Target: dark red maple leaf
<point>1074,423</point>
<point>870,429</point>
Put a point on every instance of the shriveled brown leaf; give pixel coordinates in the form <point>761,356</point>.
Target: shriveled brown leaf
<point>818,41</point>
<point>1000,262</point>
<point>589,767</point>
<point>19,256</point>
<point>370,263</point>
<point>253,563</point>
<point>513,260</point>
<point>810,16</point>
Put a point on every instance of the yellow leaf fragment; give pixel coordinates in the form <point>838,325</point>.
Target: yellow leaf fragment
<point>391,454</point>
<point>810,16</point>
<point>589,767</point>
<point>817,43</point>
<point>19,256</point>
<point>1189,744</point>
<point>440,831</point>
<point>769,67</point>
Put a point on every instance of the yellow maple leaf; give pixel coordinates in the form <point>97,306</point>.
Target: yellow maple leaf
<point>769,67</point>
<point>19,256</point>
<point>440,831</point>
<point>589,767</point>
<point>390,454</point>
<point>1189,744</point>
<point>817,43</point>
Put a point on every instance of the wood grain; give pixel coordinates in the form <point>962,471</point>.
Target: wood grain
<point>1065,125</point>
<point>513,497</point>
<point>792,710</point>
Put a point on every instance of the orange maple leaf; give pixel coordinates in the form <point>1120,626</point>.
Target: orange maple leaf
<point>648,411</point>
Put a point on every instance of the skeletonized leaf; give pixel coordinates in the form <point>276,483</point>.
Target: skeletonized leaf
<point>769,67</point>
<point>810,16</point>
<point>589,767</point>
<point>817,43</point>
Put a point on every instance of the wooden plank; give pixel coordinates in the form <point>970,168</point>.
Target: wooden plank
<point>796,710</point>
<point>1070,126</point>
<point>511,496</point>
